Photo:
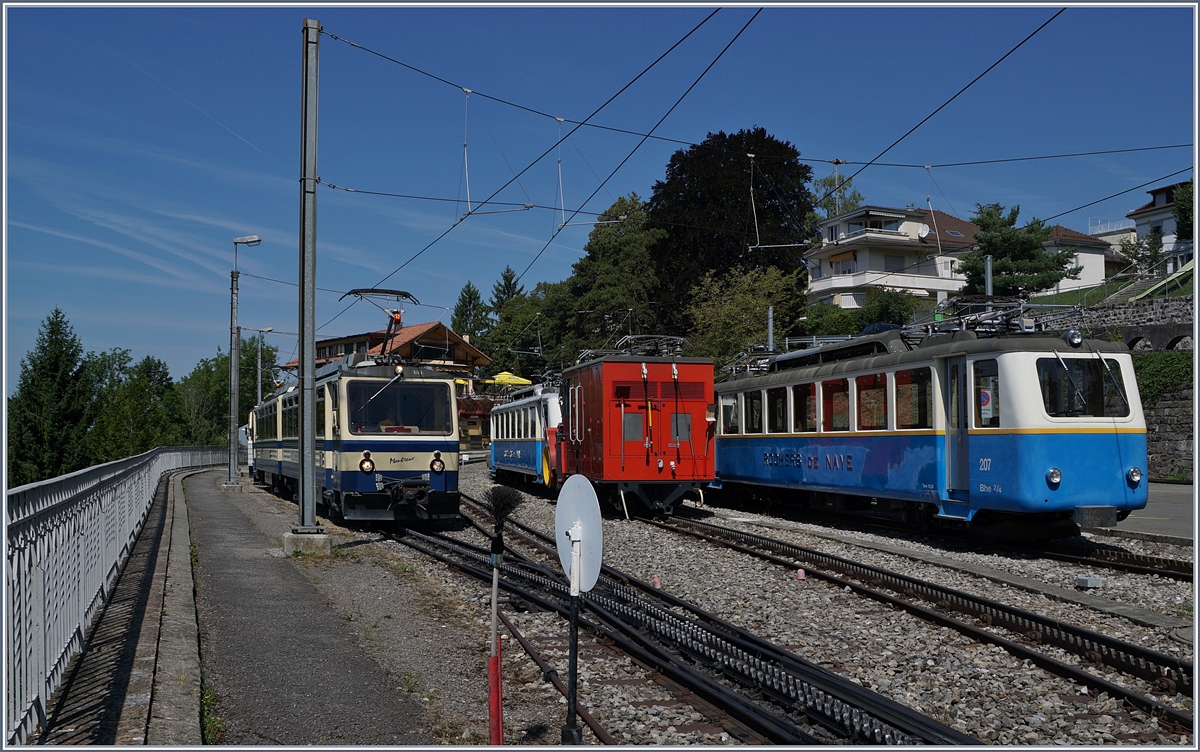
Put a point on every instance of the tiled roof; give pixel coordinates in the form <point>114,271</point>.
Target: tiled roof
<point>1071,237</point>
<point>403,336</point>
<point>941,224</point>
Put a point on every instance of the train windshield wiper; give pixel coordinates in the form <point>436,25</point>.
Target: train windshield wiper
<point>1070,378</point>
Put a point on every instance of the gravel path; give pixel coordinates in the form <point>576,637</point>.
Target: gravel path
<point>428,626</point>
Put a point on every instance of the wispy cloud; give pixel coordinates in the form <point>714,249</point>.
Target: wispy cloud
<point>163,266</point>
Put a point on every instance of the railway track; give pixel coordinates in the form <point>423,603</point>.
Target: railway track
<point>783,698</point>
<point>1084,553</point>
<point>1167,674</point>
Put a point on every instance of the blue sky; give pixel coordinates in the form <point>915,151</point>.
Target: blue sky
<point>141,141</point>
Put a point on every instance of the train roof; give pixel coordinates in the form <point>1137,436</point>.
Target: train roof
<point>890,349</point>
<point>625,358</point>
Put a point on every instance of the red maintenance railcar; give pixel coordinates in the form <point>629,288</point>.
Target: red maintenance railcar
<point>638,424</point>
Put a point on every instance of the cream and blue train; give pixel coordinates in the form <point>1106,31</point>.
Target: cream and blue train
<point>386,440</point>
<point>524,431</point>
<point>964,428</point>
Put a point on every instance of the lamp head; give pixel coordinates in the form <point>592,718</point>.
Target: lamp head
<point>250,240</point>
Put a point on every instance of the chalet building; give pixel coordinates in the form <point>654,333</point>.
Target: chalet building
<point>433,344</point>
<point>899,249</point>
<point>1158,215</point>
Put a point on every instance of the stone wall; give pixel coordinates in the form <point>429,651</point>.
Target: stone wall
<point>1155,325</point>
<point>1113,318</point>
<point>1169,435</point>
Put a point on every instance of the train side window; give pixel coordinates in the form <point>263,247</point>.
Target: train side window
<point>872,409</point>
<point>804,408</point>
<point>777,410</point>
<point>729,415</point>
<point>681,427</point>
<point>754,409</point>
<point>914,398</point>
<point>835,403</point>
<point>987,394</point>
<point>320,413</point>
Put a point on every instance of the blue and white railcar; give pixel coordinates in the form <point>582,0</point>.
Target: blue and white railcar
<point>524,432</point>
<point>386,440</point>
<point>959,427</point>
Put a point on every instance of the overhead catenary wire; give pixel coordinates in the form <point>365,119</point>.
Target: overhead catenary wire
<point>608,101</point>
<point>639,144</point>
<point>683,142</point>
<point>946,103</point>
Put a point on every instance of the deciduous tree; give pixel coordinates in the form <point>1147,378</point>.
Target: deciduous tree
<point>729,311</point>
<point>704,203</point>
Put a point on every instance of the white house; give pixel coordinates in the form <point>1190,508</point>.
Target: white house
<point>1158,215</point>
<point>900,249</point>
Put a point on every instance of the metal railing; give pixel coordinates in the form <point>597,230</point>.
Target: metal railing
<point>68,538</point>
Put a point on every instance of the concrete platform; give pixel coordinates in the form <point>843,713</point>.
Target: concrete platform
<point>1169,517</point>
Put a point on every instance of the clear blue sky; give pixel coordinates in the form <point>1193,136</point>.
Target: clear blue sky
<point>142,141</point>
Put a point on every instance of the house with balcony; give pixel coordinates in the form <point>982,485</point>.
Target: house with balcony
<point>1158,215</point>
<point>912,250</point>
<point>434,344</point>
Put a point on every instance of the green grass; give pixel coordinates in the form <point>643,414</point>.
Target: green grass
<point>211,727</point>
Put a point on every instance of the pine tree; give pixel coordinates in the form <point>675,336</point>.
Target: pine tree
<point>48,414</point>
<point>505,289</point>
<point>1021,265</point>
<point>470,315</point>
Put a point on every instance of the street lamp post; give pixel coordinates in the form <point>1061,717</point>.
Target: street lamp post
<point>235,346</point>
<point>258,370</point>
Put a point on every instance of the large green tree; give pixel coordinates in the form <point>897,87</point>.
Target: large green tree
<point>505,289</point>
<point>834,197</point>
<point>1021,265</point>
<point>713,225</point>
<point>1146,252</point>
<point>470,315</point>
<point>138,413</point>
<point>49,411</point>
<point>612,287</point>
<point>202,397</point>
<point>729,311</point>
<point>1183,213</point>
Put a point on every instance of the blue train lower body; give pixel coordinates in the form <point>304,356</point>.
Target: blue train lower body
<point>996,472</point>
<point>525,457</point>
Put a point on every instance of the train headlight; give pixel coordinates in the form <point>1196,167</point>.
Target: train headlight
<point>437,466</point>
<point>1054,476</point>
<point>1134,475</point>
<point>367,465</point>
<point>1074,337</point>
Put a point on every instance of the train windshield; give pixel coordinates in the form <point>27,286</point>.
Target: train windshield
<point>1082,388</point>
<point>401,407</point>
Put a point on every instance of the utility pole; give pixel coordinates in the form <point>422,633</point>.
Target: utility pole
<point>308,529</point>
<point>235,352</point>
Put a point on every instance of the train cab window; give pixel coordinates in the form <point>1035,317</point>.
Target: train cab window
<point>1082,388</point>
<point>804,408</point>
<point>914,398</point>
<point>987,394</point>
<point>777,410</point>
<point>753,404</point>
<point>835,404</point>
<point>681,427</point>
<point>730,424</point>
<point>872,409</point>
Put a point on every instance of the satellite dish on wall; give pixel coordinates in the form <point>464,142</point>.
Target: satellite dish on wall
<point>923,232</point>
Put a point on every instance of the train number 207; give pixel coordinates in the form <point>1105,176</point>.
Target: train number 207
<point>985,463</point>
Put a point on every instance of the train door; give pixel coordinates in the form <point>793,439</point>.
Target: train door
<point>954,394</point>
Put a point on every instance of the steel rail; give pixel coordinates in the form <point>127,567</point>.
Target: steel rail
<point>792,682</point>
<point>819,678</point>
<point>987,611</point>
<point>777,730</point>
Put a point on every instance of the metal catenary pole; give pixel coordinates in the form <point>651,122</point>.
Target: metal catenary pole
<point>234,364</point>
<point>308,271</point>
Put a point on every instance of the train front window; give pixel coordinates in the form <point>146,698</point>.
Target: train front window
<point>400,407</point>
<point>1082,388</point>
